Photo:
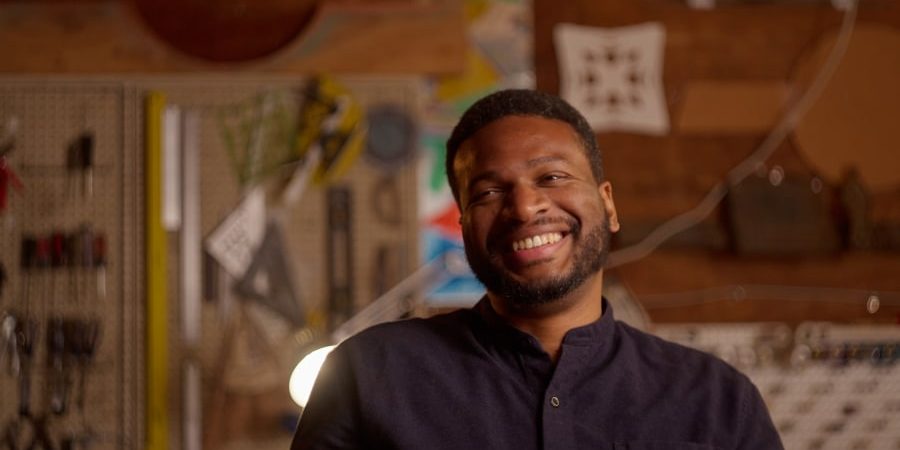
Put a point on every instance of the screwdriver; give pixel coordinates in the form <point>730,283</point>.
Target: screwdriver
<point>99,262</point>
<point>58,261</point>
<point>27,261</point>
<point>86,146</point>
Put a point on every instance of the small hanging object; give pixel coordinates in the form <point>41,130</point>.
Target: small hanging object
<point>855,205</point>
<point>7,175</point>
<point>80,160</point>
<point>2,278</point>
<point>332,121</point>
<point>779,214</point>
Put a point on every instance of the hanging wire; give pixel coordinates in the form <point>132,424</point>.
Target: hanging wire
<point>749,165</point>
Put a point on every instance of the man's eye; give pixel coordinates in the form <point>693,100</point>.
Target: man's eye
<point>552,177</point>
<point>485,194</point>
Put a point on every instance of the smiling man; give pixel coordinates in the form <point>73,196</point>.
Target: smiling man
<point>540,362</point>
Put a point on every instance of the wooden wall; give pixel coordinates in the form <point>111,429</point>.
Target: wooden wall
<point>103,37</point>
<point>655,178</point>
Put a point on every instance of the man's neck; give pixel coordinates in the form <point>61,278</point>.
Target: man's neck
<point>550,323</point>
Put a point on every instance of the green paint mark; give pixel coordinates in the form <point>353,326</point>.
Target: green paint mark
<point>435,144</point>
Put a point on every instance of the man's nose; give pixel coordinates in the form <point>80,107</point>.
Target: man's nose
<point>523,203</point>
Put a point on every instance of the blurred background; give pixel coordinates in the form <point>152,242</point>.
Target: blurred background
<point>195,195</point>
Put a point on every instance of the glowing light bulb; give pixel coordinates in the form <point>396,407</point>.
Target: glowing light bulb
<point>304,375</point>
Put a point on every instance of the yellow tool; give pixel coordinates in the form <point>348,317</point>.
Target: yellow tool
<point>157,307</point>
<point>333,120</point>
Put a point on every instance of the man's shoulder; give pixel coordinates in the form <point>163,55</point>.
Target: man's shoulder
<point>664,354</point>
<point>413,333</point>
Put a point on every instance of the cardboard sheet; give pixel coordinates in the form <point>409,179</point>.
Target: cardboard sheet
<point>731,107</point>
<point>854,123</point>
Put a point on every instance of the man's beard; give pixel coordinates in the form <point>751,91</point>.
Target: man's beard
<point>590,256</point>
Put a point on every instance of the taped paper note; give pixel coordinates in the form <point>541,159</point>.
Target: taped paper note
<point>614,75</point>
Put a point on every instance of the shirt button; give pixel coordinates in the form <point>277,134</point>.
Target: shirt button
<point>554,401</point>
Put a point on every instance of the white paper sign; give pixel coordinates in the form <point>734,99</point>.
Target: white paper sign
<point>614,75</point>
<point>235,240</point>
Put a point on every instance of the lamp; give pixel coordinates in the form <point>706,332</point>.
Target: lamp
<point>392,305</point>
<point>304,375</point>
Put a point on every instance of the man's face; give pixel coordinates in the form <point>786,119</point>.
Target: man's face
<point>536,223</point>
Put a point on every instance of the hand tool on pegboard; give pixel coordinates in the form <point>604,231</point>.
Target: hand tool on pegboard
<point>386,201</point>
<point>269,281</point>
<point>56,383</point>
<point>57,370</point>
<point>186,198</point>
<point>99,262</point>
<point>86,251</point>
<point>329,137</point>
<point>340,255</point>
<point>80,161</point>
<point>8,177</point>
<point>82,342</point>
<point>2,278</point>
<point>157,302</point>
<point>9,358</point>
<point>9,353</point>
<point>333,120</point>
<point>26,330</point>
<point>258,135</point>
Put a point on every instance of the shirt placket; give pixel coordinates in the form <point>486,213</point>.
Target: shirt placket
<point>560,402</point>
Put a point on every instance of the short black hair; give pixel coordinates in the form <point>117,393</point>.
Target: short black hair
<point>520,102</point>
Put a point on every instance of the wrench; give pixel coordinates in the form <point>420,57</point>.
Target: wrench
<point>26,331</point>
<point>10,350</point>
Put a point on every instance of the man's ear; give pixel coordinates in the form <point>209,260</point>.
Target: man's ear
<point>606,194</point>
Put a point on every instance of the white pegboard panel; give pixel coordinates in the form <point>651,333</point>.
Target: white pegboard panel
<point>305,242</point>
<point>53,112</point>
<point>52,115</point>
<point>841,395</point>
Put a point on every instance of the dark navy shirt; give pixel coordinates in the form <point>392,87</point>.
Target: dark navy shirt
<point>467,380</point>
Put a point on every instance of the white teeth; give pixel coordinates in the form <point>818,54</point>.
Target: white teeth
<point>536,241</point>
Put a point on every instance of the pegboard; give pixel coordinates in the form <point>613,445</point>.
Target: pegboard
<point>57,199</point>
<point>827,386</point>
<point>52,113</point>
<point>232,329</point>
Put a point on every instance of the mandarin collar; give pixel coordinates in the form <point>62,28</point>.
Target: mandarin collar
<point>592,334</point>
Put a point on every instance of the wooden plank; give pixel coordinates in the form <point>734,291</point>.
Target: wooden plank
<point>731,107</point>
<point>854,121</point>
<point>107,37</point>
<point>387,38</point>
<point>654,280</point>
